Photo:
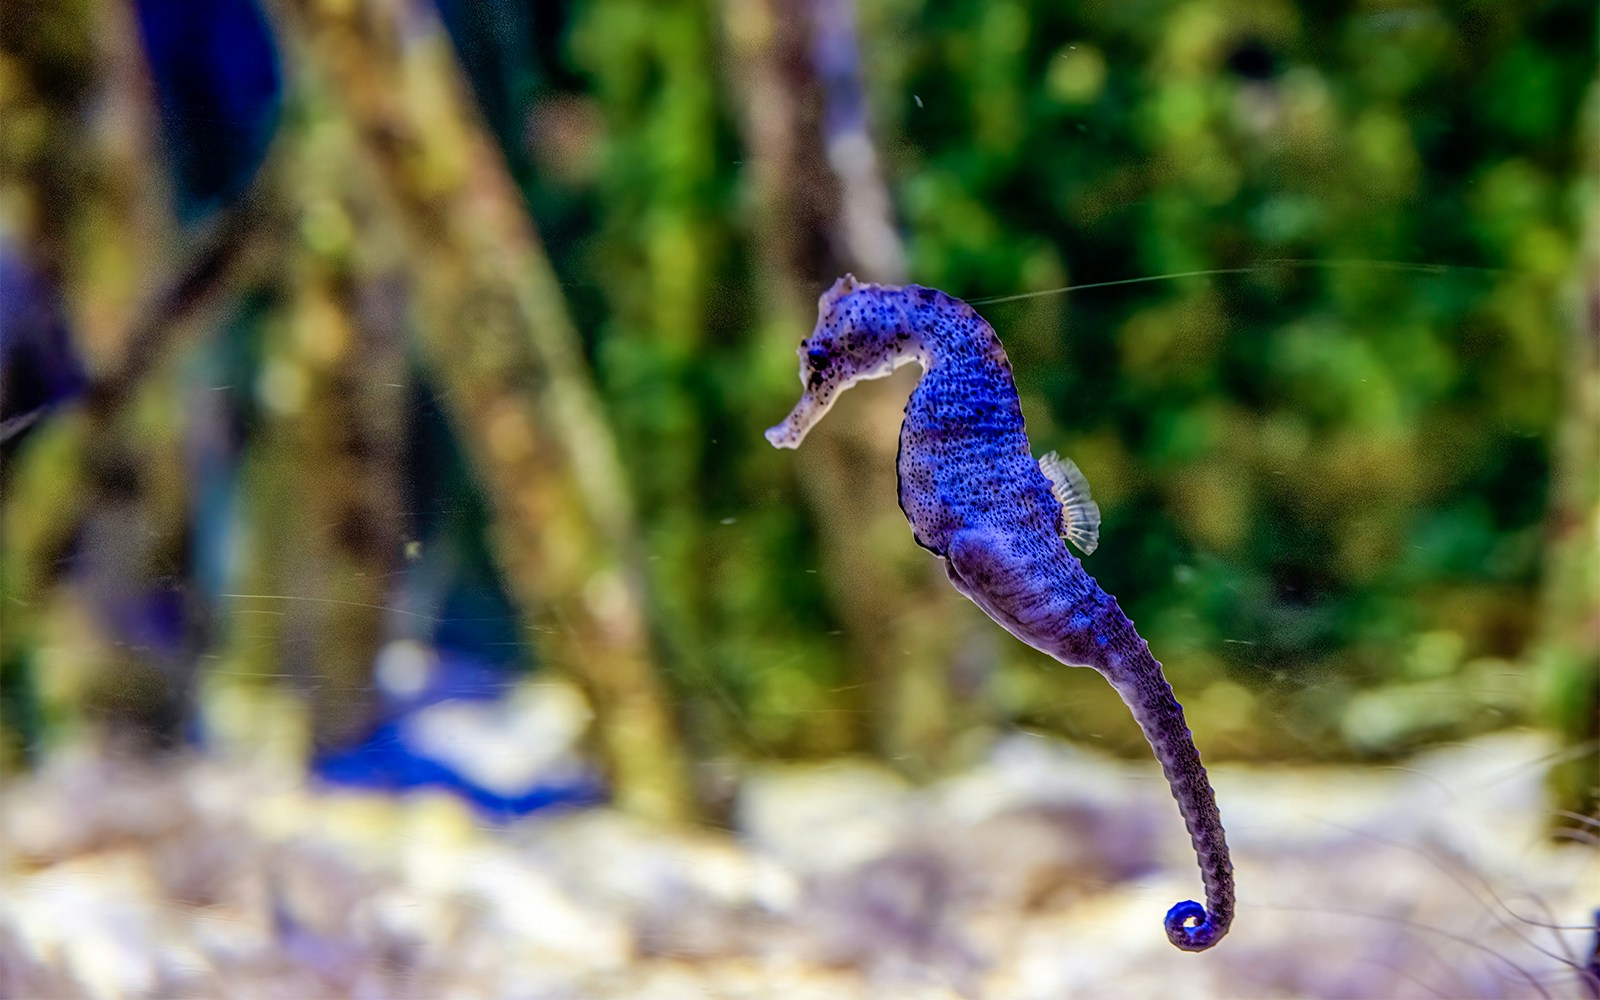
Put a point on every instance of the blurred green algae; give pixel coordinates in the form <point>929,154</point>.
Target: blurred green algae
<point>1348,485</point>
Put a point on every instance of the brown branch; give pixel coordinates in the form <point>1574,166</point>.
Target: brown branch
<point>495,327</point>
<point>822,209</point>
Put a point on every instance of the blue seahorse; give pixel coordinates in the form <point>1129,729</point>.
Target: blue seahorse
<point>977,498</point>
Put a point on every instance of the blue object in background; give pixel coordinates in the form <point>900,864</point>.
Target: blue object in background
<point>386,763</point>
<point>219,91</point>
<point>399,755</point>
<point>38,367</point>
<point>449,714</point>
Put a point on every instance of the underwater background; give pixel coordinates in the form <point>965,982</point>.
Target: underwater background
<point>397,596</point>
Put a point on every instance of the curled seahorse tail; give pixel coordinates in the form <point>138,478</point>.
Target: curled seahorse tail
<point>1191,928</point>
<point>1138,679</point>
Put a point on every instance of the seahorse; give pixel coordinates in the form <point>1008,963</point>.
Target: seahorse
<point>999,519</point>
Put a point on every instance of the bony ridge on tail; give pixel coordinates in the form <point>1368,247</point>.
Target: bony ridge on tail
<point>977,498</point>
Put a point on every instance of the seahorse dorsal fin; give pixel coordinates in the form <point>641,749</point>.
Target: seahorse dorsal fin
<point>1080,517</point>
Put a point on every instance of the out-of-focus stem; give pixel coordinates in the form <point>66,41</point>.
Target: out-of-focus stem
<point>80,169</point>
<point>1568,658</point>
<point>344,340</point>
<point>495,327</point>
<point>822,210</point>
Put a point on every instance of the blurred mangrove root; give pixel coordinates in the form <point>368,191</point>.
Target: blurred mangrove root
<point>1568,655</point>
<point>822,208</point>
<point>495,329</point>
<point>102,490</point>
<point>341,431</point>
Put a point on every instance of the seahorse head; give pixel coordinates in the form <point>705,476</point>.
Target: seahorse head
<point>862,332</point>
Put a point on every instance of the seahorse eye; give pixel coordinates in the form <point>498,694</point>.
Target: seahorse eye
<point>818,357</point>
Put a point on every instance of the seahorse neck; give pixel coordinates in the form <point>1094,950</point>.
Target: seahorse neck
<point>945,332</point>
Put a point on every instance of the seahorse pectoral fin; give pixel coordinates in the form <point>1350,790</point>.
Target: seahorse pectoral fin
<point>1080,515</point>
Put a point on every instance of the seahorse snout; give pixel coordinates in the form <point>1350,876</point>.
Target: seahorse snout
<point>798,423</point>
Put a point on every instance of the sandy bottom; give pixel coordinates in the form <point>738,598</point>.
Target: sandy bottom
<point>1043,873</point>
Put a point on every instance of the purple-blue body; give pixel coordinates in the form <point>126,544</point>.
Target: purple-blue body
<point>976,497</point>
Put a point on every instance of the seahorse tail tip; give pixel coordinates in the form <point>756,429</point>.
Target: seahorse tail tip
<point>1190,927</point>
